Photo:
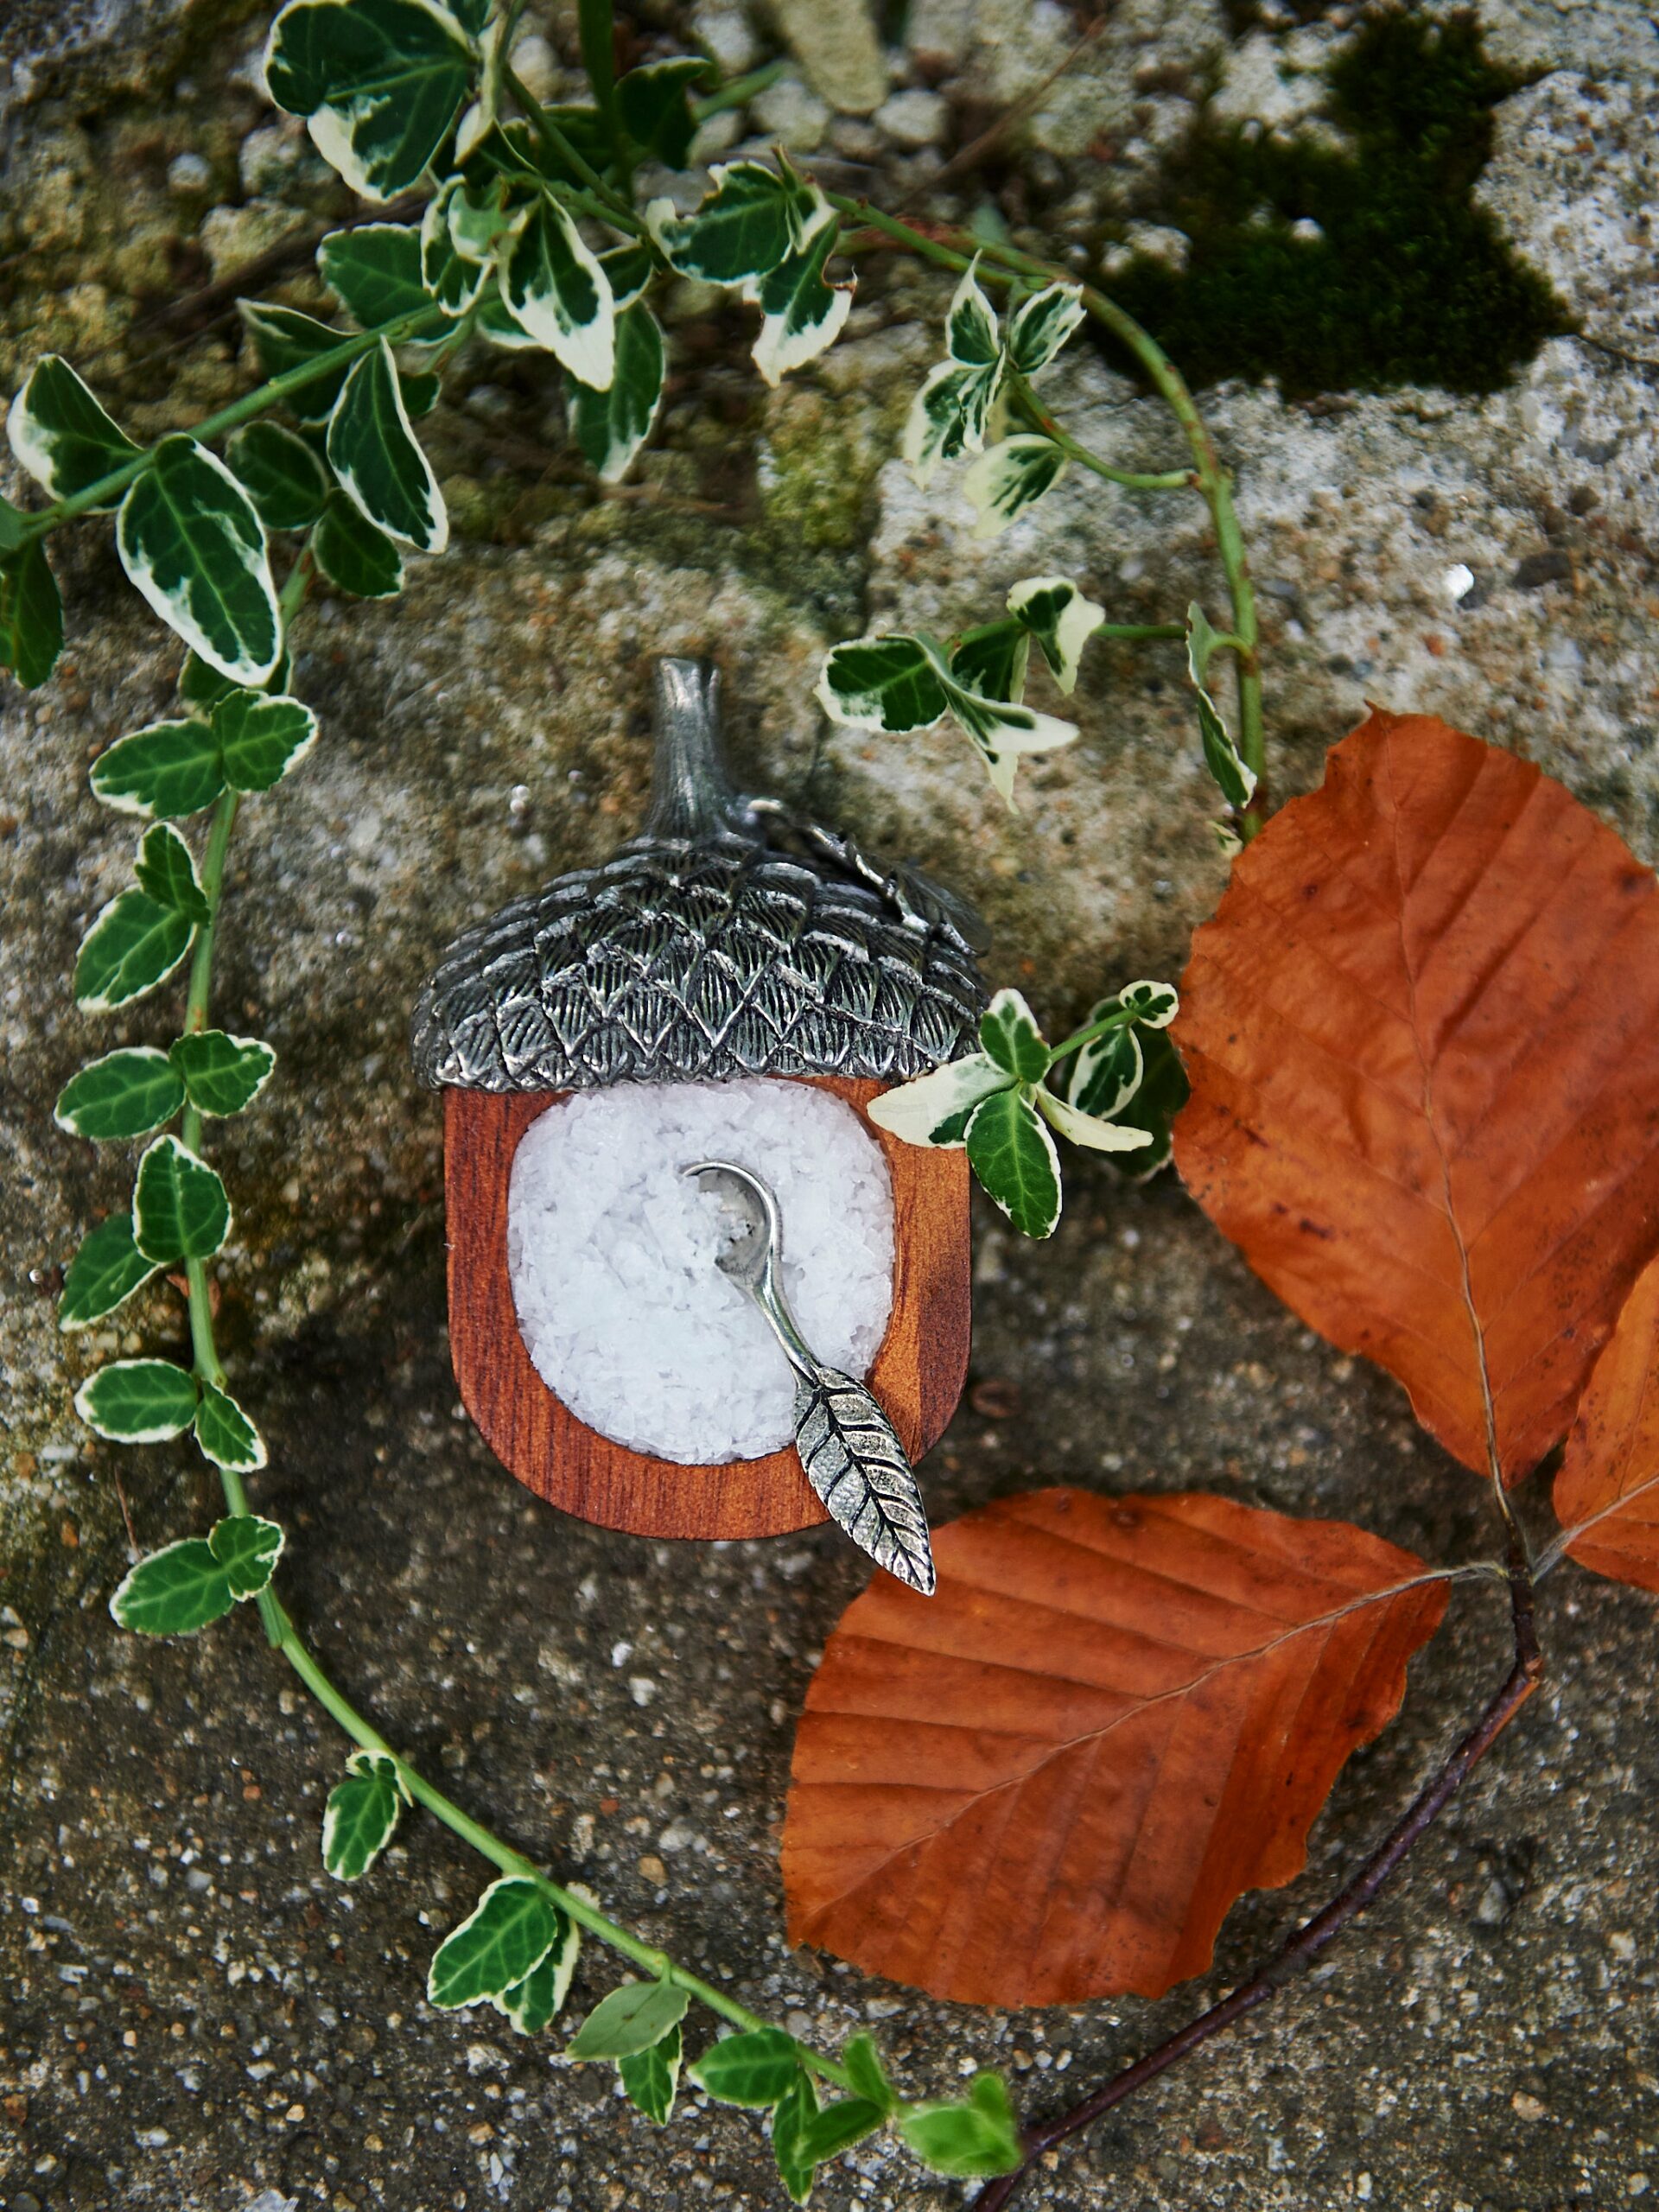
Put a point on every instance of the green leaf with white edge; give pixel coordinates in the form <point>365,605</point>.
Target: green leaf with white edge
<point>1201,644</point>
<point>611,426</point>
<point>1235,781</point>
<point>802,314</point>
<point>226,1434</point>
<point>478,119</point>
<point>948,417</point>
<point>970,332</point>
<point>994,661</point>
<point>374,270</point>
<point>379,460</point>
<point>379,82</point>
<point>1003,731</point>
<point>12,523</point>
<point>248,1548</point>
<point>354,554</point>
<point>1221,756</point>
<point>890,683</point>
<point>191,542</point>
<point>180,1207</point>
<point>506,1936</point>
<point>283,341</point>
<point>975,2139</point>
<point>446,278</point>
<point>31,615</point>
<point>753,217</point>
<point>1153,1005</point>
<point>651,2077</point>
<point>1009,1035</point>
<point>629,270</point>
<point>1012,1155</point>
<point>630,2018</point>
<point>1041,325</point>
<point>531,2003</point>
<point>1009,477</point>
<point>126,1094</point>
<point>135,944</point>
<point>655,109</point>
<point>902,682</point>
<point>838,2127</point>
<point>166,871</point>
<point>62,435</point>
<point>1061,619</point>
<point>169,769</point>
<point>138,1400</point>
<point>471,14</point>
<point>554,287</point>
<point>797,2110</point>
<point>173,1592</point>
<point>492,322</point>
<point>221,1074</point>
<point>867,2075</point>
<point>361,1814</point>
<point>482,224</point>
<point>262,738</point>
<point>280,474</point>
<point>934,1109</point>
<point>1163,1091</point>
<point>103,1273</point>
<point>1087,1129</point>
<point>1107,1073</point>
<point>754,2067</point>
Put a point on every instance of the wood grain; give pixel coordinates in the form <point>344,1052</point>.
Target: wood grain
<point>918,1374</point>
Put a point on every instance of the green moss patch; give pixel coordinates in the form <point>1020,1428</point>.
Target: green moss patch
<point>1410,282</point>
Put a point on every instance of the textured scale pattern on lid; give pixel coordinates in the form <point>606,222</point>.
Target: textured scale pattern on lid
<point>701,952</point>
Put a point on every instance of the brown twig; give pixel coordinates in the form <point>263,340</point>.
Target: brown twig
<point>1304,1946</point>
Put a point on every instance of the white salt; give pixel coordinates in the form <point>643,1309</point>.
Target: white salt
<point>611,1251</point>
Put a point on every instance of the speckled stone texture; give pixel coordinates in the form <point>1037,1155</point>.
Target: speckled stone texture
<point>196,2019</point>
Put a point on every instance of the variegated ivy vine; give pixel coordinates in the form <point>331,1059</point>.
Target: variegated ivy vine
<point>531,237</point>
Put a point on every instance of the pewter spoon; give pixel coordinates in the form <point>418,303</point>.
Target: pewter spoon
<point>848,1448</point>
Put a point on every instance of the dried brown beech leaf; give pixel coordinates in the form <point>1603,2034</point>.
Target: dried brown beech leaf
<point>1607,1491</point>
<point>1051,1780</point>
<point>1422,1033</point>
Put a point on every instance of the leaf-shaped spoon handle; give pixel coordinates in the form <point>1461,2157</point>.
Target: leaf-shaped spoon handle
<point>848,1448</point>
<point>854,1461</point>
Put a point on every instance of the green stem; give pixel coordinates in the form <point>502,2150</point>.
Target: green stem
<point>612,207</point>
<point>740,90</point>
<point>279,1628</point>
<point>506,1861</point>
<point>270,394</point>
<point>1169,479</point>
<point>595,29</point>
<point>1087,1035</point>
<point>957,251</point>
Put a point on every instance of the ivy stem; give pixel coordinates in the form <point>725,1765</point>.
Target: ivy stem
<point>279,1628</point>
<point>1168,480</point>
<point>740,90</point>
<point>270,394</point>
<point>503,1857</point>
<point>957,249</point>
<point>613,207</point>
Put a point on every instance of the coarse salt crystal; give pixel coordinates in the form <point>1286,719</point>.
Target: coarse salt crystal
<point>611,1253</point>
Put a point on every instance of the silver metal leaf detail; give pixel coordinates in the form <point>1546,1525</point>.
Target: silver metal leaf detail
<point>855,1463</point>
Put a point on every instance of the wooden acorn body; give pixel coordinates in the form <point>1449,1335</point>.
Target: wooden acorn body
<point>723,942</point>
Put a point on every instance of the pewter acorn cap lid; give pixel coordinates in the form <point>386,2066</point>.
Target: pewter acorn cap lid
<point>706,948</point>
